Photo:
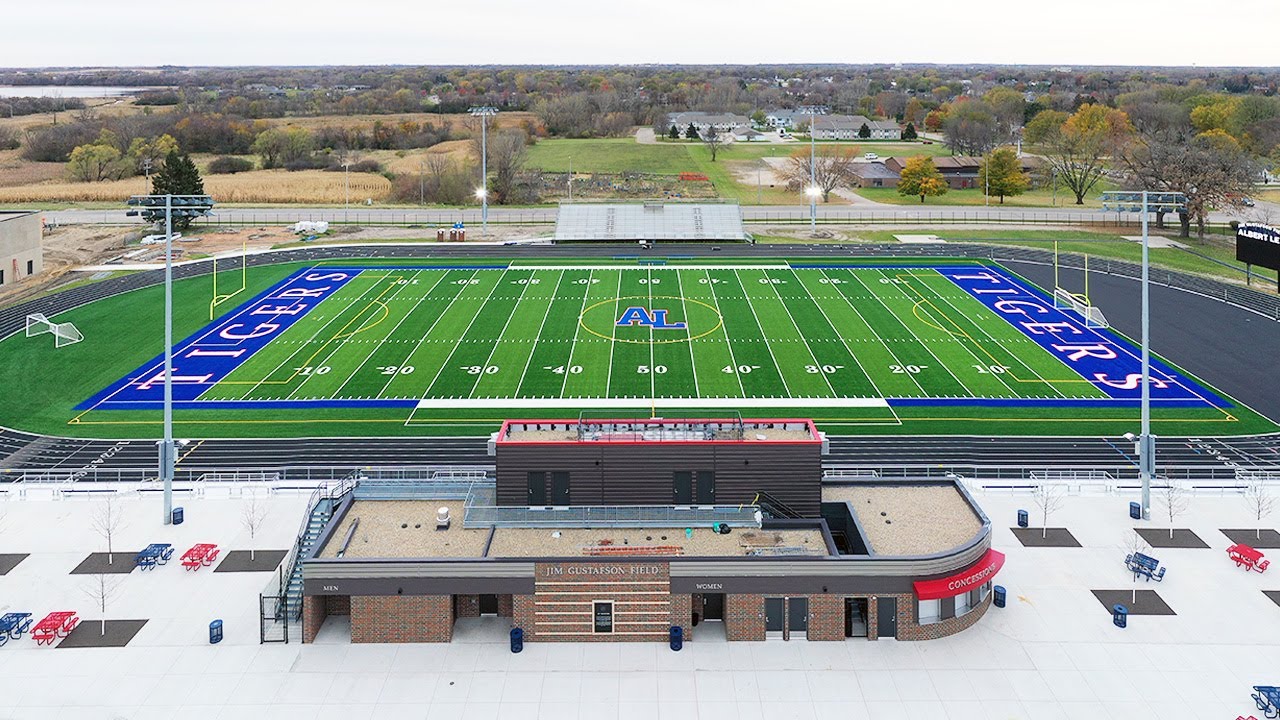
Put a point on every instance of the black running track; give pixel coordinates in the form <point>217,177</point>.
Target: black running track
<point>1220,343</point>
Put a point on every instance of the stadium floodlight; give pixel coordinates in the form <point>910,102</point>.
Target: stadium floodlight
<point>1145,202</point>
<point>155,208</point>
<point>813,111</point>
<point>484,112</point>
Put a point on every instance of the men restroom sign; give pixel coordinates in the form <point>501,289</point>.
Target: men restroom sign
<point>655,319</point>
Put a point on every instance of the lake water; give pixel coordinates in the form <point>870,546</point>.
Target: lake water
<point>66,91</point>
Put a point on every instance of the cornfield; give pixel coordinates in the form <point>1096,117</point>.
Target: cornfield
<point>259,186</point>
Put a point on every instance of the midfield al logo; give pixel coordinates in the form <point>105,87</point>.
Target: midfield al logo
<point>656,319</point>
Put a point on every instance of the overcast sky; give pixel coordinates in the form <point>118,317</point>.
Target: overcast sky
<point>343,32</point>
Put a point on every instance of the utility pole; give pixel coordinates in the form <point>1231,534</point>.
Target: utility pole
<point>570,179</point>
<point>484,112</point>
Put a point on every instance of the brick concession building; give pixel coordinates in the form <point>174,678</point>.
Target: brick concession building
<point>616,531</point>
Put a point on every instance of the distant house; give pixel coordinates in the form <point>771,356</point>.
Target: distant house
<point>746,134</point>
<point>960,171</point>
<point>846,127</point>
<point>703,121</point>
<point>782,119</point>
<point>873,175</point>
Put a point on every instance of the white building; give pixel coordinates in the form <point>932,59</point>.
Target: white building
<point>21,245</point>
<point>703,121</point>
<point>847,127</point>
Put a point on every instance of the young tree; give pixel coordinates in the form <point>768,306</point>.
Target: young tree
<point>279,146</point>
<point>146,153</point>
<point>1001,174</point>
<point>864,132</point>
<point>1049,499</point>
<point>93,163</point>
<point>691,132</point>
<point>1133,545</point>
<point>178,176</point>
<point>1260,502</point>
<point>921,177</point>
<point>1079,148</point>
<point>101,589</point>
<point>713,141</point>
<point>107,520</point>
<point>254,513</point>
<point>909,133</point>
<point>674,133</point>
<point>832,168</point>
<point>507,152</point>
<point>1175,498</point>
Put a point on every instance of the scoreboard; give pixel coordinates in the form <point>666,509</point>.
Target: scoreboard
<point>1258,244</point>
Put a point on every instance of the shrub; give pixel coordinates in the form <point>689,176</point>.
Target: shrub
<point>229,165</point>
<point>361,166</point>
<point>8,139</point>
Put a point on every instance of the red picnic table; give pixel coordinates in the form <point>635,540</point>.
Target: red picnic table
<point>199,555</point>
<point>53,626</point>
<point>1247,557</point>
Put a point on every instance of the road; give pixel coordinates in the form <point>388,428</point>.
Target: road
<point>868,213</point>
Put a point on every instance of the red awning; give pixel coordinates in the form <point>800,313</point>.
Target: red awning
<point>965,580</point>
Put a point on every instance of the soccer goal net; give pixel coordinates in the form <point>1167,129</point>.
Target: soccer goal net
<point>63,333</point>
<point>1066,300</point>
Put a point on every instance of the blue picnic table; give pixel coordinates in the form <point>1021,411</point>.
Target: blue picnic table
<point>1144,565</point>
<point>1267,698</point>
<point>13,625</point>
<point>154,554</point>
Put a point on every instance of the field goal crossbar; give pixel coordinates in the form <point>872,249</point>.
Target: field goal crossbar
<point>64,334</point>
<point>1080,305</point>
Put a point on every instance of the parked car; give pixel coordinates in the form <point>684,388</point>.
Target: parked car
<point>870,156</point>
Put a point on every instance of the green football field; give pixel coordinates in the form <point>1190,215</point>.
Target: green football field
<point>404,347</point>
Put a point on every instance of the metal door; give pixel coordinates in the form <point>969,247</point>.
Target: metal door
<point>537,489</point>
<point>797,617</point>
<point>681,488</point>
<point>713,606</point>
<point>560,488</point>
<point>706,487</point>
<point>774,621</point>
<point>887,617</point>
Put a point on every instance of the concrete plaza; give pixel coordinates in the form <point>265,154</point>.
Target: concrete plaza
<point>1051,653</point>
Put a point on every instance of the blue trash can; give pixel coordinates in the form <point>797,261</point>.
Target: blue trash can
<point>215,632</point>
<point>1120,616</point>
<point>517,639</point>
<point>1022,518</point>
<point>999,596</point>
<point>177,516</point>
<point>1135,511</point>
<point>677,638</point>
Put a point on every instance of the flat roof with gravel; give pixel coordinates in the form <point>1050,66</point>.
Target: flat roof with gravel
<point>909,519</point>
<point>407,529</point>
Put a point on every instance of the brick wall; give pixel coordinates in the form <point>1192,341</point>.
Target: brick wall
<point>826,617</point>
<point>561,607</point>
<point>744,617</point>
<point>337,604</point>
<point>682,614</point>
<point>401,618</point>
<point>873,617</point>
<point>522,613</point>
<point>313,615</point>
<point>468,606</point>
<point>909,629</point>
<point>504,606</point>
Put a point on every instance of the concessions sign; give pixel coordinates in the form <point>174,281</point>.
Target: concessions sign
<point>964,581</point>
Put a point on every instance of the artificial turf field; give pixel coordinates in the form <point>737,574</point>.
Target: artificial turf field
<point>399,347</point>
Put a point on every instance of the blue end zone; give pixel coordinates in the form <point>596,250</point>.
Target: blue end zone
<point>1106,360</point>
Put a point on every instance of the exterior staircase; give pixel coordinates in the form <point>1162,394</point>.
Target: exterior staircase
<point>319,512</point>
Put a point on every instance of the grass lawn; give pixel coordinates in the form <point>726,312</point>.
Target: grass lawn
<point>610,155</point>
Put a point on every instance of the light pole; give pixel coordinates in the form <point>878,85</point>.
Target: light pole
<point>570,179</point>
<point>484,112</point>
<point>813,111</point>
<point>1144,202</point>
<point>155,208</point>
<point>346,182</point>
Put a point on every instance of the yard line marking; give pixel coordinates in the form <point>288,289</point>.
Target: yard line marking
<point>653,376</point>
<point>688,331</point>
<point>345,339</point>
<point>577,327</point>
<point>303,347</point>
<point>840,336</point>
<point>613,334</point>
<point>799,332</point>
<point>767,345</point>
<point>991,337</point>
<point>461,290</point>
<point>479,309</point>
<point>908,328</point>
<point>392,334</point>
<point>875,335</point>
<point>647,403</point>
<point>728,343</point>
<point>498,341</point>
<point>537,336</point>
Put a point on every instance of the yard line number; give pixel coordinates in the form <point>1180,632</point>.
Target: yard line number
<point>396,369</point>
<point>991,369</point>
<point>906,369</point>
<point>563,369</point>
<point>740,369</point>
<point>480,369</point>
<point>313,370</point>
<point>822,369</point>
